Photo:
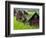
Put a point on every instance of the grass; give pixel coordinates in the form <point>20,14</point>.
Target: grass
<point>21,26</point>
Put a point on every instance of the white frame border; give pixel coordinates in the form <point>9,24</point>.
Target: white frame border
<point>12,6</point>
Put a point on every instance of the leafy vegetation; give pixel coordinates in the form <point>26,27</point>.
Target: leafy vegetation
<point>21,26</point>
